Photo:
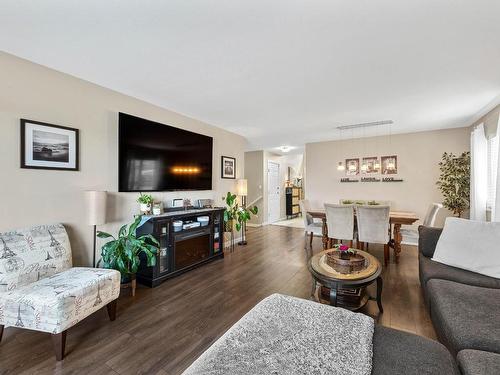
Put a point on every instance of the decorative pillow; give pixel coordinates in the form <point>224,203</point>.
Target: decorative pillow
<point>470,245</point>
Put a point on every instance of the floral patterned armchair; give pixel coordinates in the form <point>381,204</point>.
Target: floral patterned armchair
<point>39,288</point>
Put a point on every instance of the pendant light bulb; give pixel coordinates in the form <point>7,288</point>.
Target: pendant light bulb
<point>340,166</point>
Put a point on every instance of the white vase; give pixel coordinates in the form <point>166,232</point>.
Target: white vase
<point>145,207</point>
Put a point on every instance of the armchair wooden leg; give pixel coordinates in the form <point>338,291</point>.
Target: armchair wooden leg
<point>1,332</point>
<point>386,254</point>
<point>311,239</point>
<point>112,310</point>
<point>59,341</point>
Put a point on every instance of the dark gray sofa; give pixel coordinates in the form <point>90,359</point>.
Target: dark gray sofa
<point>476,362</point>
<point>464,307</point>
<point>396,352</point>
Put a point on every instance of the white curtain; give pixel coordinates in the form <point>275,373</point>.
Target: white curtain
<point>495,215</point>
<point>479,174</point>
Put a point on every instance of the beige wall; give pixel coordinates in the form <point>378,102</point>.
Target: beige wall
<point>29,196</point>
<point>418,158</point>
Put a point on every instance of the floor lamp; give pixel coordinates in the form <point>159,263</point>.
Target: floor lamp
<point>96,213</point>
<point>242,191</point>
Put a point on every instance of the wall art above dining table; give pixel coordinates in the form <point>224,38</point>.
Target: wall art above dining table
<point>369,167</point>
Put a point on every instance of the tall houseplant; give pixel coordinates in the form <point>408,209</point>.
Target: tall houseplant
<point>122,253</point>
<point>454,181</point>
<point>235,214</point>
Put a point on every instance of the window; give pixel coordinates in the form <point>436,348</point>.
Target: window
<point>492,172</point>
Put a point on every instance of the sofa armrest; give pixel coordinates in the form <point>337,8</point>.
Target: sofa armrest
<point>427,240</point>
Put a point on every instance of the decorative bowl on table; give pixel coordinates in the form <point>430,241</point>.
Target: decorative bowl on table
<point>345,261</point>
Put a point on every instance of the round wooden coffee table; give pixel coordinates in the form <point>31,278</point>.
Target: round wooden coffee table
<point>346,290</point>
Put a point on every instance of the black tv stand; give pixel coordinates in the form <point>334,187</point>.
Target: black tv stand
<point>181,251</point>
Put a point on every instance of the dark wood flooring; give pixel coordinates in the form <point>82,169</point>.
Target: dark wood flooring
<point>163,330</point>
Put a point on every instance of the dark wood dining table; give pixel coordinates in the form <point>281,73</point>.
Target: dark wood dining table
<point>396,219</point>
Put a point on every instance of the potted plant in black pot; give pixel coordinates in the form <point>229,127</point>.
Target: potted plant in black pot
<point>122,253</point>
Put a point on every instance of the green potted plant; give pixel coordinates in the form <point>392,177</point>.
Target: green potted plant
<point>235,214</point>
<point>146,202</point>
<point>454,181</point>
<point>122,253</point>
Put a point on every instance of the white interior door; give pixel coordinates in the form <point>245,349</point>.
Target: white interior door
<point>273,192</point>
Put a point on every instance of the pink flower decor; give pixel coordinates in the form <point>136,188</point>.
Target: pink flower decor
<point>343,248</point>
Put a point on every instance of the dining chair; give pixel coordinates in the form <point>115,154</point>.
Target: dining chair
<point>410,236</point>
<point>340,222</point>
<point>311,227</point>
<point>373,227</point>
<point>308,207</point>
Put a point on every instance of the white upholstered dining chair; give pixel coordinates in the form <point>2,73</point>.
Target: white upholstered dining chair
<point>311,227</point>
<point>410,236</point>
<point>340,222</point>
<point>373,227</point>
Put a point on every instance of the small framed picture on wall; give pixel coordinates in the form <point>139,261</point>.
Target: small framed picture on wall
<point>48,146</point>
<point>228,167</point>
<point>389,164</point>
<point>352,167</point>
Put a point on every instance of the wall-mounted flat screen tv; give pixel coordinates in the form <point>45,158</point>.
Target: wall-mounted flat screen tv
<point>158,157</point>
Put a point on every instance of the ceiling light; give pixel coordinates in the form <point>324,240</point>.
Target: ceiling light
<point>285,148</point>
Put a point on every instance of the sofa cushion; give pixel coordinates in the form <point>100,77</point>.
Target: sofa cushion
<point>28,255</point>
<point>465,316</point>
<point>470,245</point>
<point>427,240</point>
<point>397,352</point>
<point>476,362</point>
<point>58,302</point>
<point>429,269</point>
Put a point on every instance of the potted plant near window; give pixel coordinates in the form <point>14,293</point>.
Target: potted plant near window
<point>122,253</point>
<point>454,181</point>
<point>146,202</point>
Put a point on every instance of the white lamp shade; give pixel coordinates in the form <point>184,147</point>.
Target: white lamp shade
<point>95,202</point>
<point>242,187</point>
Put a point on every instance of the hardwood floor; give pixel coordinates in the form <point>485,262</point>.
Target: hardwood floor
<point>163,330</point>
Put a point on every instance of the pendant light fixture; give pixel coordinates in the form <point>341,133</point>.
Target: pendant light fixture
<point>340,165</point>
<point>391,163</point>
<point>364,166</point>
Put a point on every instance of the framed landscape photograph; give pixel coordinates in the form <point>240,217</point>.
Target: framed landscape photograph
<point>351,167</point>
<point>389,164</point>
<point>228,167</point>
<point>48,146</point>
<point>372,165</point>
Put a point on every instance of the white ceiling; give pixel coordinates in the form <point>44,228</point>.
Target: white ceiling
<point>277,72</point>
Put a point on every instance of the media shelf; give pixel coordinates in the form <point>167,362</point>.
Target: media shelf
<point>181,251</point>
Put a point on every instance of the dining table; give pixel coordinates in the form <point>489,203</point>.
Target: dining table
<point>396,220</point>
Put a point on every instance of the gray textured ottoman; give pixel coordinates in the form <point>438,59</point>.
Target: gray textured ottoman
<point>287,335</point>
<point>465,316</point>
<point>476,362</point>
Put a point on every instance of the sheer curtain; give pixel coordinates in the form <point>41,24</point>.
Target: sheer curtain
<point>495,215</point>
<point>479,174</point>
